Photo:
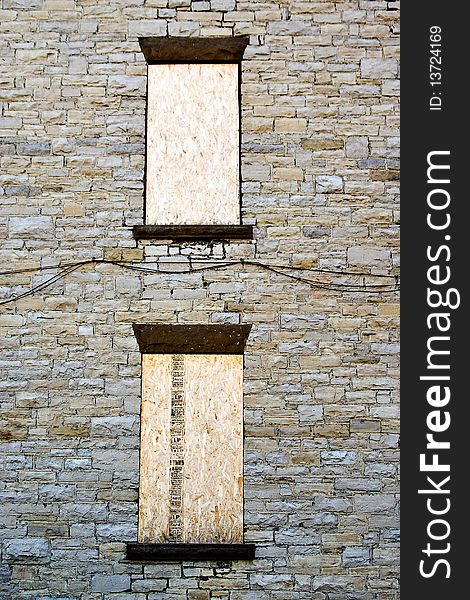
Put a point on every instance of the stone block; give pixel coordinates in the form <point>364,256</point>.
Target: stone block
<point>322,143</point>
<point>354,556</point>
<point>338,457</point>
<point>147,27</point>
<point>332,430</point>
<point>222,5</point>
<point>30,227</point>
<point>328,183</point>
<point>110,583</point>
<point>336,582</point>
<point>290,125</point>
<point>288,174</point>
<point>270,581</point>
<point>26,551</point>
<point>198,595</point>
<point>369,256</point>
<point>357,147</point>
<point>34,149</point>
<point>377,68</point>
<point>375,503</point>
<point>124,85</point>
<point>309,413</point>
<point>149,585</point>
<point>22,4</point>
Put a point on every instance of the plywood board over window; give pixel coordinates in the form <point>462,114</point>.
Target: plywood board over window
<point>192,186</point>
<point>211,487</point>
<point>193,144</point>
<point>191,458</point>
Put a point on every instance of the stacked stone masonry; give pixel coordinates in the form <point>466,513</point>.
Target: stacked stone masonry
<point>319,183</point>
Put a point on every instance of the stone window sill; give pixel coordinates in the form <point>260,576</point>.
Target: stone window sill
<point>193,232</point>
<point>192,552</point>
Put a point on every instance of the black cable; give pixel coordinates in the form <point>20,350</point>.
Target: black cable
<point>221,263</point>
<point>43,285</point>
<point>277,269</point>
<point>331,287</point>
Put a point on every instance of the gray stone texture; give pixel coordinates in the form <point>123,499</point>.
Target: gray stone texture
<point>320,151</point>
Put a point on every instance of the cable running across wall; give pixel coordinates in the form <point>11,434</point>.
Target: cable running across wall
<point>66,269</point>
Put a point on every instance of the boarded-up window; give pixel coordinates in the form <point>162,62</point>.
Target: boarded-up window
<point>193,144</point>
<point>193,131</point>
<point>191,458</point>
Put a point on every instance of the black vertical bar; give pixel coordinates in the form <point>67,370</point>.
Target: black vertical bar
<point>434,120</point>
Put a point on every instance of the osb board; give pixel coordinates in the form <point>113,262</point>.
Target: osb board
<point>154,449</point>
<point>213,494</point>
<point>192,144</point>
<point>213,449</point>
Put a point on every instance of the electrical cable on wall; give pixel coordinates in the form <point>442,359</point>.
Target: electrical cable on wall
<point>273,268</point>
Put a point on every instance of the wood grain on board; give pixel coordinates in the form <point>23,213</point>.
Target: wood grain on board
<point>193,144</point>
<point>212,507</point>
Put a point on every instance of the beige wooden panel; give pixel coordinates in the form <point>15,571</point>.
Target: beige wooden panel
<point>212,488</point>
<point>213,495</point>
<point>154,508</point>
<point>192,144</point>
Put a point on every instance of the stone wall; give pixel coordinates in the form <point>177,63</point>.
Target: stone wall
<point>320,166</point>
